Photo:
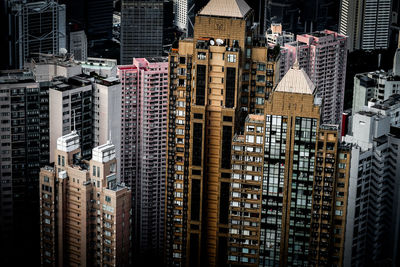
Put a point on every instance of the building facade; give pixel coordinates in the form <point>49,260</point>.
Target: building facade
<point>142,24</point>
<point>185,12</point>
<point>372,222</point>
<point>143,147</point>
<point>376,86</point>
<point>215,79</point>
<point>94,16</point>
<point>85,215</point>
<point>78,45</point>
<point>286,192</point>
<point>366,23</point>
<point>323,56</point>
<point>35,27</point>
<point>24,148</point>
<point>70,108</point>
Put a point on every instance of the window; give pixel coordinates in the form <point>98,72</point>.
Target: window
<point>338,212</point>
<point>231,58</point>
<point>108,199</point>
<point>261,66</point>
<point>250,138</point>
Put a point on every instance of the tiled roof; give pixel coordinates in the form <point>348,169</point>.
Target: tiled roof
<point>226,8</point>
<point>297,81</point>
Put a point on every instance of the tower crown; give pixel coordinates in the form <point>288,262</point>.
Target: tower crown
<point>226,8</point>
<point>297,81</point>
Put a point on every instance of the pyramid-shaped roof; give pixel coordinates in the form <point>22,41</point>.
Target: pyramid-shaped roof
<point>226,8</point>
<point>297,81</point>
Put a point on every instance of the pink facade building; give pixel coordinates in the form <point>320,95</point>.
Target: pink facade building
<point>323,56</point>
<point>143,146</point>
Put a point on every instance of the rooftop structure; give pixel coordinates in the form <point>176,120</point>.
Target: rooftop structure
<point>296,80</point>
<point>68,142</point>
<point>226,8</point>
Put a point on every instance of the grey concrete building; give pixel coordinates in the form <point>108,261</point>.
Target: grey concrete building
<point>366,23</point>
<point>372,222</point>
<point>24,144</point>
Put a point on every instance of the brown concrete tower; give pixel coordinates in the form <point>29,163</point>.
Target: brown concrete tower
<point>289,183</point>
<point>216,78</point>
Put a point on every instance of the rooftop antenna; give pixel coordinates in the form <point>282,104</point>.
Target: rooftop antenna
<point>74,131</point>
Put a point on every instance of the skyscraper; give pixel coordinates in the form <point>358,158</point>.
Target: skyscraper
<point>143,148</point>
<point>70,109</point>
<point>366,23</point>
<point>323,55</point>
<point>142,25</point>
<point>85,215</point>
<point>288,187</point>
<point>24,146</point>
<point>185,12</point>
<point>216,78</point>
<point>94,16</point>
<point>35,27</point>
<point>373,217</point>
<point>302,16</point>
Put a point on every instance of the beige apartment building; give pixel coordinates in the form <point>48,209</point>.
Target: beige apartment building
<point>85,215</point>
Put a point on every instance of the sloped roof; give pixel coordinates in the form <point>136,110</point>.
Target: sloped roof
<point>297,81</point>
<point>226,8</point>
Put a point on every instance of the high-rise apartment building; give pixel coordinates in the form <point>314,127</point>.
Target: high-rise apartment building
<point>85,214</point>
<point>366,23</point>
<point>106,110</point>
<point>142,24</point>
<point>377,86</point>
<point>373,214</point>
<point>24,148</point>
<point>70,108</point>
<point>34,27</point>
<point>88,105</point>
<point>323,55</point>
<point>288,189</point>
<point>143,147</point>
<point>215,79</point>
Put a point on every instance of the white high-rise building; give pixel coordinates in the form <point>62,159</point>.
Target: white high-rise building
<point>366,23</point>
<point>372,222</point>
